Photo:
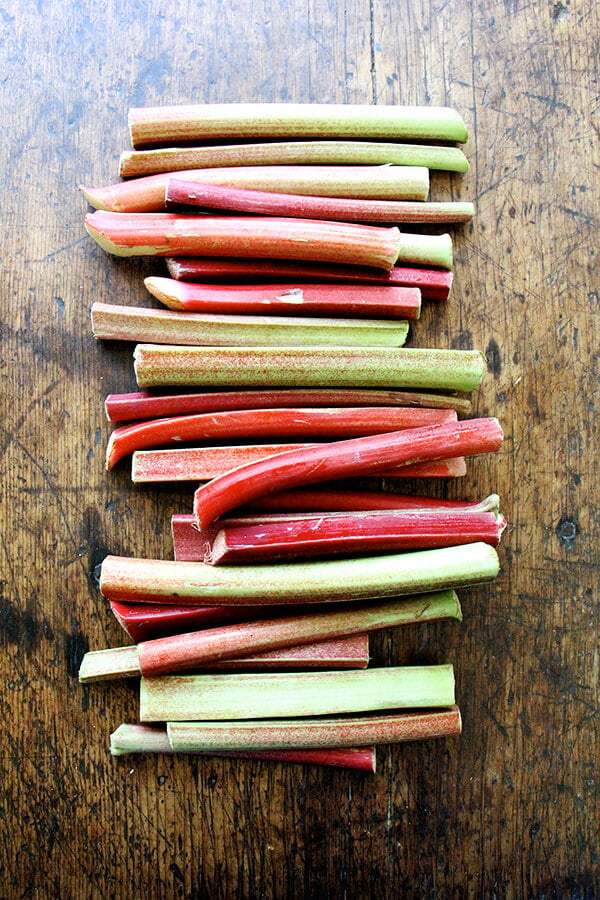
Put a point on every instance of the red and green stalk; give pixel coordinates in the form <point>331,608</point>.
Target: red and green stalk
<point>235,641</point>
<point>434,284</point>
<point>182,195</point>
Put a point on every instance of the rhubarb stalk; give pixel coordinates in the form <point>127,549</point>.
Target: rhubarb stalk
<point>320,422</point>
<point>434,284</point>
<point>343,459</point>
<point>152,126</point>
<point>361,578</point>
<point>372,301</point>
<point>161,326</point>
<point>329,732</point>
<point>194,649</point>
<point>166,234</point>
<point>182,698</point>
<point>146,405</point>
<point>146,195</point>
<point>133,163</point>
<point>204,463</point>
<point>138,738</point>
<point>180,195</point>
<point>376,367</point>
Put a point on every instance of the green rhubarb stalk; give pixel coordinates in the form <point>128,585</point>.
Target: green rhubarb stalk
<point>423,369</point>
<point>330,732</point>
<point>170,125</point>
<point>136,163</point>
<point>360,578</point>
<point>182,698</point>
<point>161,326</point>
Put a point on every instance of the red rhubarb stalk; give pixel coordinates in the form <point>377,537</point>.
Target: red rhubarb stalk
<point>335,498</point>
<point>326,534</point>
<point>204,463</point>
<point>170,125</point>
<point>434,284</point>
<point>138,738</point>
<point>146,405</point>
<point>274,299</point>
<point>192,650</point>
<point>162,326</point>
<point>181,195</point>
<point>343,459</point>
<point>374,367</point>
<point>247,423</point>
<point>360,578</point>
<point>145,195</point>
<point>168,234</point>
<point>133,163</point>
<point>326,732</point>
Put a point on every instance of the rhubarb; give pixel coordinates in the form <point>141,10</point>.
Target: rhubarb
<point>165,234</point>
<point>376,367</point>
<point>133,163</point>
<point>373,301</point>
<point>170,125</point>
<point>320,422</point>
<point>180,195</point>
<point>204,463</point>
<point>363,578</point>
<point>347,731</point>
<point>262,538</point>
<point>161,326</point>
<point>434,284</point>
<point>146,405</point>
<point>146,195</point>
<point>229,642</point>
<point>343,459</point>
<point>137,738</point>
<point>182,698</point>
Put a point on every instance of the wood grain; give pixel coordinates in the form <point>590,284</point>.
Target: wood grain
<point>511,808</point>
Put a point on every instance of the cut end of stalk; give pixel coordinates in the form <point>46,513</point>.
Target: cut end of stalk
<point>102,665</point>
<point>162,289</point>
<point>93,198</point>
<point>139,739</point>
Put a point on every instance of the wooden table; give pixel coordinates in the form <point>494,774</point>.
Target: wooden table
<point>510,808</point>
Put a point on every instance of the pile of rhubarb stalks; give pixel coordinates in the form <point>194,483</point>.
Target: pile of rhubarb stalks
<point>273,382</point>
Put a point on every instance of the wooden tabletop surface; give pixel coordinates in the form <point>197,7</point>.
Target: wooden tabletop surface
<point>508,809</point>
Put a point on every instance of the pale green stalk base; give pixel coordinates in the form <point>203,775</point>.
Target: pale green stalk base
<point>181,698</point>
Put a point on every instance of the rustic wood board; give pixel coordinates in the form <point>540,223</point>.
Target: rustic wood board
<point>510,809</point>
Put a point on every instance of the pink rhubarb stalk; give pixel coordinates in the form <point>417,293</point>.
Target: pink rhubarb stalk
<point>434,284</point>
<point>344,459</point>
<point>327,732</point>
<point>146,405</point>
<point>161,326</point>
<point>171,125</point>
<point>362,578</point>
<point>138,738</point>
<point>145,195</point>
<point>372,301</point>
<point>261,538</point>
<point>168,234</point>
<point>204,463</point>
<point>357,367</point>
<point>133,163</point>
<point>247,423</point>
<point>221,645</point>
<point>182,195</point>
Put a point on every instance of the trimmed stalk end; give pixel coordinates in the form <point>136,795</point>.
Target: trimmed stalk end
<point>93,198</point>
<point>102,665</point>
<point>139,739</point>
<point>161,288</point>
